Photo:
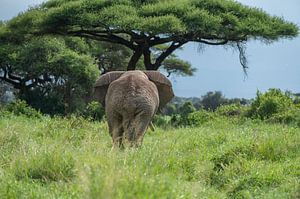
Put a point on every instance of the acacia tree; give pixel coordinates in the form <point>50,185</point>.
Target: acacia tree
<point>140,25</point>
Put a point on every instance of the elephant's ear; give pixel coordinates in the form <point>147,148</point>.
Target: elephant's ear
<point>102,84</point>
<point>163,85</point>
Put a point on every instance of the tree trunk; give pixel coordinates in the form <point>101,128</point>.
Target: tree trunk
<point>134,59</point>
<point>147,60</point>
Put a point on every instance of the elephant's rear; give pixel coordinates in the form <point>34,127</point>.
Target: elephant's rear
<point>131,103</point>
<point>130,95</point>
<point>131,99</point>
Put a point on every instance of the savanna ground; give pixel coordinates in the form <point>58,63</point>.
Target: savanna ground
<point>72,158</point>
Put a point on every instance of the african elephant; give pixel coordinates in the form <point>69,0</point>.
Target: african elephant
<point>131,100</point>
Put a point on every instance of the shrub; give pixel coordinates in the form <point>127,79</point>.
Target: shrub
<point>94,110</point>
<point>231,110</point>
<point>176,120</point>
<point>297,102</point>
<point>162,121</point>
<point>169,109</point>
<point>274,106</point>
<point>196,118</point>
<point>200,117</point>
<point>270,103</point>
<point>186,109</point>
<point>212,100</point>
<point>19,107</point>
<point>287,117</point>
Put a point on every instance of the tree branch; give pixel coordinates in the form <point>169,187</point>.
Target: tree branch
<point>103,37</point>
<point>166,53</point>
<point>6,79</point>
<point>212,43</point>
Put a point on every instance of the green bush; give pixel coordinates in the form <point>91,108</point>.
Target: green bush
<point>19,107</point>
<point>176,120</point>
<point>231,110</point>
<point>290,116</point>
<point>270,103</point>
<point>196,118</point>
<point>163,121</point>
<point>297,102</point>
<point>186,109</point>
<point>94,110</point>
<point>274,106</point>
<point>200,117</point>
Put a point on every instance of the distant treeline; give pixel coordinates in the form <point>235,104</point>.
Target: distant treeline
<point>210,102</point>
<point>272,106</point>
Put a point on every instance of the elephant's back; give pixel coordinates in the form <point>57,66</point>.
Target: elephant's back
<point>131,93</point>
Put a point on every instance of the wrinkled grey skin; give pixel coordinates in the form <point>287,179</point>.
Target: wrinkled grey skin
<point>131,101</point>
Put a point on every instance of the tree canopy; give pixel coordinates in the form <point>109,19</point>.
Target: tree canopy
<point>44,60</point>
<point>49,73</point>
<point>140,25</point>
<point>55,74</point>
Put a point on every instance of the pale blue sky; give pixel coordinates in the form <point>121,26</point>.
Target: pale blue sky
<point>271,66</point>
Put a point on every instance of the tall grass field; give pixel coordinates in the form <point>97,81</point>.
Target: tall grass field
<point>72,158</point>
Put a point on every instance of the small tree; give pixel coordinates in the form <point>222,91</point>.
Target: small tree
<point>186,109</point>
<point>212,100</point>
<point>141,25</point>
<point>47,73</point>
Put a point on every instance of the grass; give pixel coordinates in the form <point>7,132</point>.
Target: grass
<point>72,158</point>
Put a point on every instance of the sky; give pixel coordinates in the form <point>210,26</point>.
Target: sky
<point>274,65</point>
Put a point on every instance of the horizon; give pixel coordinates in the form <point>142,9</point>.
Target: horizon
<point>218,69</point>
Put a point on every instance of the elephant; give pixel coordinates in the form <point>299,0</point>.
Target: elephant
<point>131,99</point>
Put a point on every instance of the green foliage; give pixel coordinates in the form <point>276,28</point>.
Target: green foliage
<point>94,111</point>
<point>72,158</point>
<point>173,65</point>
<point>186,109</point>
<point>212,100</point>
<point>52,103</point>
<point>290,116</point>
<point>274,105</point>
<point>49,74</point>
<point>169,109</point>
<point>182,114</point>
<point>111,57</point>
<point>178,67</point>
<point>20,107</point>
<point>232,110</point>
<point>143,25</point>
<point>199,117</point>
<point>162,121</point>
<point>196,118</point>
<point>168,16</point>
<point>297,101</point>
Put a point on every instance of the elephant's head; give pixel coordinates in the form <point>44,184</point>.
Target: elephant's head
<point>162,83</point>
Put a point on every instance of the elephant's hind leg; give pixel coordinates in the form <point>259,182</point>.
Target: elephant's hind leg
<point>141,123</point>
<point>116,130</point>
<point>129,130</point>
